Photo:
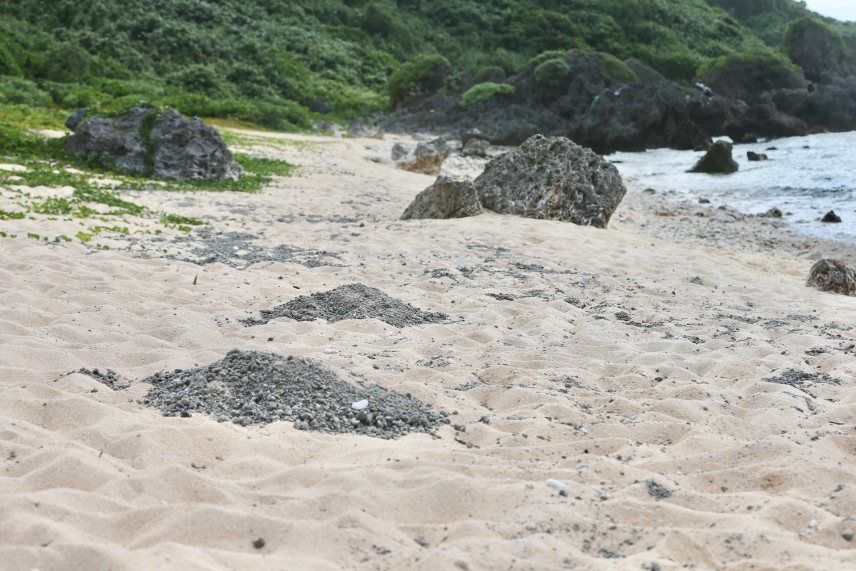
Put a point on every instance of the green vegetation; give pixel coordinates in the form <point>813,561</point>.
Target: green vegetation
<point>484,92</point>
<point>423,74</point>
<point>281,64</point>
<point>613,68</point>
<point>44,162</point>
<point>553,73</point>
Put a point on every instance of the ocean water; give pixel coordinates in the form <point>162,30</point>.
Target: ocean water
<point>805,177</point>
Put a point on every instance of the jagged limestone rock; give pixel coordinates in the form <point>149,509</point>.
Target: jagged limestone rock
<point>551,178</point>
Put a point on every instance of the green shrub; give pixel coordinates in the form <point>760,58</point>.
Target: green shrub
<point>75,95</point>
<point>544,56</point>
<point>493,73</point>
<point>484,92</point>
<point>200,78</point>
<point>345,101</point>
<point>279,114</point>
<point>419,76</point>
<point>613,68</point>
<point>67,62</point>
<point>553,73</point>
<point>23,92</point>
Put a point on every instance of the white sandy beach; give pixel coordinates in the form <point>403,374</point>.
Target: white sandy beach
<point>625,363</point>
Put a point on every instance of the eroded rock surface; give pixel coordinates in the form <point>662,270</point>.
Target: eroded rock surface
<point>446,198</point>
<point>717,160</point>
<point>832,275</point>
<point>160,144</point>
<point>546,177</point>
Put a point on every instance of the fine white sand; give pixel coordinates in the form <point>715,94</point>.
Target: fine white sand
<point>620,362</point>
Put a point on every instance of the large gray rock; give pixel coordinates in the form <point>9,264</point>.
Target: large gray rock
<point>446,198</point>
<point>160,144</point>
<point>551,178</point>
<point>717,160</point>
<point>832,275</point>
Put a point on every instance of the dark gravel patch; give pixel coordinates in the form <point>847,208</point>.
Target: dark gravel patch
<point>351,301</point>
<point>252,387</point>
<point>659,491</point>
<point>108,377</point>
<point>799,379</point>
<point>239,250</point>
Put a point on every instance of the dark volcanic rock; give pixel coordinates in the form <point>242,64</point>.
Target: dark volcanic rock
<point>829,107</point>
<point>831,217</point>
<point>832,275</point>
<point>817,50</point>
<point>749,79</point>
<point>552,178</point>
<point>753,156</point>
<point>446,198</point>
<point>717,160</point>
<point>251,387</point>
<point>609,107</point>
<point>153,143</point>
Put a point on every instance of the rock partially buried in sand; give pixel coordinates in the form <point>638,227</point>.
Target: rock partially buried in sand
<point>832,275</point>
<point>552,178</point>
<point>549,178</point>
<point>717,160</point>
<point>446,198</point>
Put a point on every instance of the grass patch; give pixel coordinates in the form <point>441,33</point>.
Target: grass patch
<point>49,165</point>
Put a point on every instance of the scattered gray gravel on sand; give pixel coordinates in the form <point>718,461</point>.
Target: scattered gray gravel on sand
<point>659,491</point>
<point>351,301</point>
<point>798,379</point>
<point>238,249</point>
<point>109,378</point>
<point>253,387</point>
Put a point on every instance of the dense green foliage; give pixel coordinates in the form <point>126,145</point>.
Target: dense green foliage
<point>483,92</point>
<point>553,73</point>
<point>280,64</point>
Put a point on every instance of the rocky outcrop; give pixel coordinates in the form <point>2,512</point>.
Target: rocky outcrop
<point>546,177</point>
<point>747,79</point>
<point>817,49</point>
<point>830,107</point>
<point>832,275</point>
<point>446,198</point>
<point>609,105</point>
<point>159,144</point>
<point>717,160</point>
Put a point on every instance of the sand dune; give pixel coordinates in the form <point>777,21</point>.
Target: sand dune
<point>695,397</point>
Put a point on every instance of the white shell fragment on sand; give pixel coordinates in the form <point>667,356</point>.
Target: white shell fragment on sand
<point>561,486</point>
<point>360,404</point>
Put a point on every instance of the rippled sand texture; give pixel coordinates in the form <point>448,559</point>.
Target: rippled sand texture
<point>660,381</point>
